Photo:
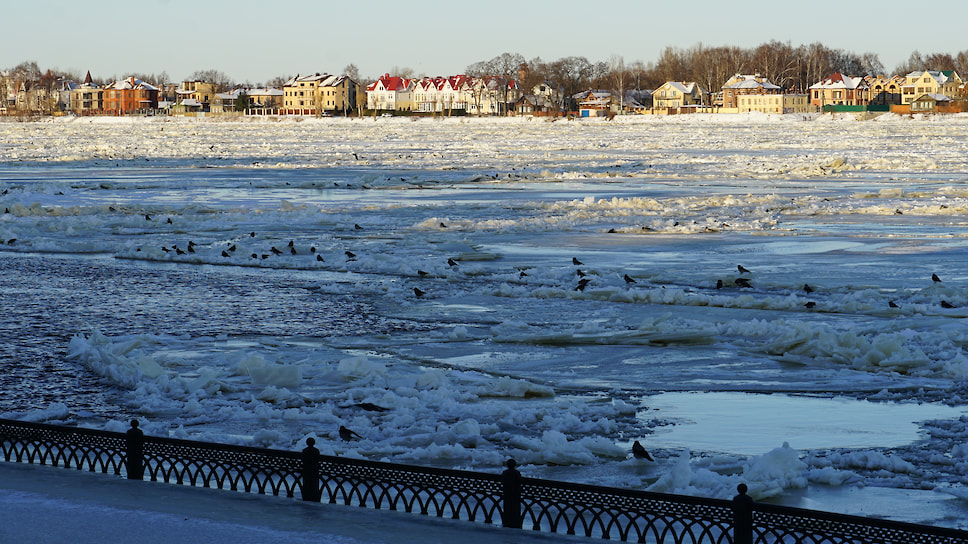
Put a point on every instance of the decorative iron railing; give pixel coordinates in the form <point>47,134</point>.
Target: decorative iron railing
<point>508,498</point>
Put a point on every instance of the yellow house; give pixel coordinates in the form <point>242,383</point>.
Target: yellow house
<point>678,94</point>
<point>884,90</point>
<point>740,85</point>
<point>196,94</point>
<point>320,94</point>
<point>930,82</point>
<point>774,103</point>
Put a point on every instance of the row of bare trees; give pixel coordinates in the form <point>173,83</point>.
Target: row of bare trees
<point>795,68</point>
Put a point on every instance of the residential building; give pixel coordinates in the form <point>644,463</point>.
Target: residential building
<point>195,95</point>
<point>883,90</point>
<point>130,95</point>
<point>930,103</point>
<point>87,98</point>
<point>440,94</point>
<point>491,95</point>
<point>740,85</point>
<point>320,94</point>
<point>596,103</point>
<point>838,89</point>
<point>263,100</point>
<point>390,93</point>
<point>920,83</point>
<point>674,95</point>
<point>774,103</point>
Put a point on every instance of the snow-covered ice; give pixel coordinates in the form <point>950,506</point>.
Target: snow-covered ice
<point>254,282</point>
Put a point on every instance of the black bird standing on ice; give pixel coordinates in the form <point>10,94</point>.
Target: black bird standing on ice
<point>935,278</point>
<point>147,217</point>
<point>319,258</point>
<point>580,273</point>
<point>742,269</point>
<point>807,288</point>
<point>810,304</point>
<point>418,292</point>
<point>743,282</point>
<point>442,225</point>
<point>629,279</point>
<point>350,256</point>
<point>946,304</point>
<point>576,262</point>
<point>357,226</point>
<point>348,435</point>
<point>275,251</point>
<point>225,253</point>
<point>423,273</point>
<point>719,284</point>
<point>639,452</point>
<point>451,262</point>
<point>892,304</point>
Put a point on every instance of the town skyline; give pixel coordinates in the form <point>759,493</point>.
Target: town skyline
<point>179,38</point>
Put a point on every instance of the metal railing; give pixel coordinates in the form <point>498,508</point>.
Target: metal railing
<point>509,499</point>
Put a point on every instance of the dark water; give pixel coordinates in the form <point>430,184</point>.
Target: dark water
<point>47,299</point>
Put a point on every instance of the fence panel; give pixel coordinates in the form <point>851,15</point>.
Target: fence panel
<point>69,447</point>
<point>507,498</point>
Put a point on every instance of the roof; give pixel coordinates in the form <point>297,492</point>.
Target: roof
<point>391,83</point>
<point>322,80</point>
<point>750,82</point>
<point>937,97</point>
<point>840,81</point>
<point>690,87</point>
<point>131,84</point>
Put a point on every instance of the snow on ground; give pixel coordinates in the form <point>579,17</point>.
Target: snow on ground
<point>54,505</point>
<point>261,282</point>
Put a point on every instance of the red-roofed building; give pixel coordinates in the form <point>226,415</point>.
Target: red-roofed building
<point>390,93</point>
<point>440,94</point>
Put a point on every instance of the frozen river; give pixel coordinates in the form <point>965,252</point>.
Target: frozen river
<point>548,291</point>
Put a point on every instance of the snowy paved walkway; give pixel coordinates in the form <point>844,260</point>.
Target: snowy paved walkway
<point>52,505</point>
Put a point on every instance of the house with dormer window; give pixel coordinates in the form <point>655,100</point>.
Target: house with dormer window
<point>130,95</point>
<point>320,94</point>
<point>390,93</point>
<point>930,82</point>
<point>674,95</point>
<point>839,90</point>
<point>740,85</point>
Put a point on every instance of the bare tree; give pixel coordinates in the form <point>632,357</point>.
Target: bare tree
<point>402,71</point>
<point>220,80</point>
<point>618,77</point>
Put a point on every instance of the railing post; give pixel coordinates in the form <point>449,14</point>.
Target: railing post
<point>511,479</point>
<point>310,471</point>
<point>134,456</point>
<point>742,516</point>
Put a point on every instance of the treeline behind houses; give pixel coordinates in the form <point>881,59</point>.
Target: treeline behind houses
<point>794,68</point>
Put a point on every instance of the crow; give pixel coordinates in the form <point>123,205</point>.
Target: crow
<point>638,451</point>
<point>348,435</point>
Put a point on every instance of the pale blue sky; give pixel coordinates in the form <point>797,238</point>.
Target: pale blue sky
<point>247,39</point>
